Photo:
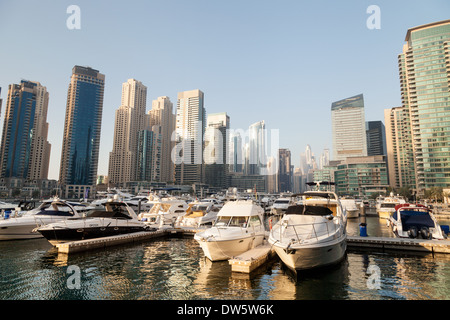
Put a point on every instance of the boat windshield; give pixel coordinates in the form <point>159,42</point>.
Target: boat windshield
<point>309,210</point>
<point>116,212</point>
<point>232,221</point>
<point>388,205</point>
<point>164,207</point>
<point>199,208</point>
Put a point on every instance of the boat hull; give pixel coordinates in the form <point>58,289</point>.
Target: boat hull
<point>19,232</point>
<point>227,249</point>
<point>57,236</point>
<point>383,214</point>
<point>352,214</point>
<point>312,257</point>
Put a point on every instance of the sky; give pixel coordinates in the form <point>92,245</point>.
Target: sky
<point>283,62</point>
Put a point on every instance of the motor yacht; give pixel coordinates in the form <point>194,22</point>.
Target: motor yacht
<point>350,206</point>
<point>386,206</point>
<point>415,221</point>
<point>51,210</point>
<point>115,218</point>
<point>238,228</point>
<point>280,206</point>
<point>200,214</point>
<point>311,233</point>
<point>164,212</point>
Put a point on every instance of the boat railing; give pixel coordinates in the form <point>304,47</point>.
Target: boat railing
<point>305,231</point>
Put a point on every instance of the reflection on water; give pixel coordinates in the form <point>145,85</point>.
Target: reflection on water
<point>175,269</point>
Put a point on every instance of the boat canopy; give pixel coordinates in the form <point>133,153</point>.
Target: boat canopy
<point>414,218</point>
<point>240,208</point>
<point>309,210</point>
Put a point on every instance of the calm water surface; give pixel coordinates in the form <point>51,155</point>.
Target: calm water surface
<point>175,269</point>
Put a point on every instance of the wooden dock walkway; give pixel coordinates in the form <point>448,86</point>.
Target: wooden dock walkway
<point>90,244</point>
<point>432,246</point>
<point>252,259</point>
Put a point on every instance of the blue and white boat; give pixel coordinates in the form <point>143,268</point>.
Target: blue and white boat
<point>416,222</point>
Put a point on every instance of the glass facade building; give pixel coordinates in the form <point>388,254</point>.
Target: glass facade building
<point>79,157</point>
<point>424,69</point>
<point>361,176</point>
<point>25,151</point>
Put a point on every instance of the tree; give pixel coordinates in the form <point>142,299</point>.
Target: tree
<point>434,193</point>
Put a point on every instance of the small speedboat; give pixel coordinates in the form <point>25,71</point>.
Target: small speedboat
<point>312,232</point>
<point>201,214</point>
<point>114,219</point>
<point>164,212</point>
<point>349,205</point>
<point>386,206</point>
<point>280,206</point>
<point>51,210</point>
<point>415,221</point>
<point>238,228</point>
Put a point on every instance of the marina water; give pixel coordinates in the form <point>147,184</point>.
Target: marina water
<point>176,269</point>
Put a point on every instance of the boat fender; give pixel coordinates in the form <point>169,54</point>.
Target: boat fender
<point>413,233</point>
<point>425,233</point>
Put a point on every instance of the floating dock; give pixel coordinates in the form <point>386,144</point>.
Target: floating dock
<point>385,243</point>
<point>90,244</point>
<point>252,259</point>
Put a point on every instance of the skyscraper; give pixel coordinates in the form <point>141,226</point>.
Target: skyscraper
<point>257,158</point>
<point>130,120</point>
<point>400,158</point>
<point>348,128</point>
<point>216,150</point>
<point>284,170</point>
<point>424,67</point>
<point>162,115</point>
<point>376,138</point>
<point>81,140</point>
<point>190,128</point>
<point>0,100</point>
<point>25,151</point>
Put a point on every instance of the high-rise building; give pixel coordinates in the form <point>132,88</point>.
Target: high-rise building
<point>216,150</point>
<point>257,157</point>
<point>348,128</point>
<point>424,67</point>
<point>25,151</point>
<point>130,120</point>
<point>376,138</point>
<point>400,158</point>
<point>285,170</point>
<point>1,101</point>
<point>361,176</point>
<point>236,156</point>
<point>162,115</point>
<point>81,140</point>
<point>190,128</point>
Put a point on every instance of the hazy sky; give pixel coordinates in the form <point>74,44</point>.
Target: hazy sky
<point>283,62</point>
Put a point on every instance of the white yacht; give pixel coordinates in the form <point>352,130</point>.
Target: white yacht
<point>115,218</point>
<point>200,214</point>
<point>386,206</point>
<point>239,227</point>
<point>164,212</point>
<point>415,221</point>
<point>350,206</point>
<point>280,206</point>
<point>312,232</point>
<point>49,211</point>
